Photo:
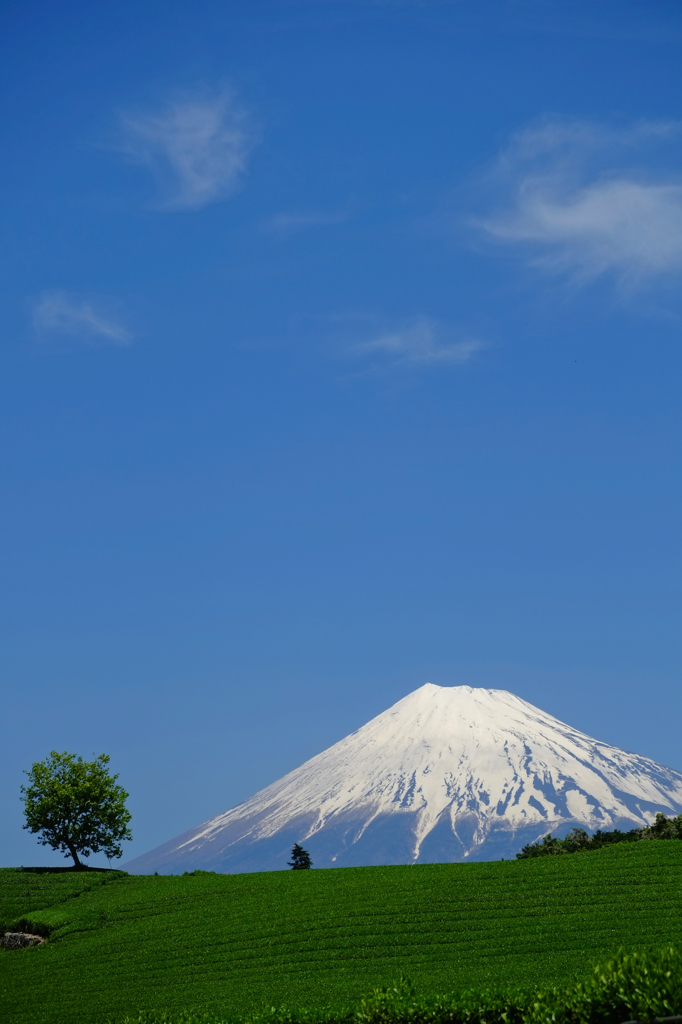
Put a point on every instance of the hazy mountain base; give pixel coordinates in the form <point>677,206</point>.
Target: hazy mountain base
<point>346,841</point>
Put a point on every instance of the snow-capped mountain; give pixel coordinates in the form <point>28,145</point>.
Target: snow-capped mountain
<point>446,774</point>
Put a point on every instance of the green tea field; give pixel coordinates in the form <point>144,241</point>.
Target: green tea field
<point>120,943</point>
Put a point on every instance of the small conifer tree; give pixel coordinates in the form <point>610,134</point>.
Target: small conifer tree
<point>300,859</point>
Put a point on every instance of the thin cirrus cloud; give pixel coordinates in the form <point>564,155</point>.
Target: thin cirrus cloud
<point>78,319</point>
<point>197,148</point>
<point>586,200</point>
<point>287,222</point>
<point>422,343</point>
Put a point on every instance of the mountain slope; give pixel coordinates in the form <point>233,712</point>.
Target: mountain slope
<point>447,773</point>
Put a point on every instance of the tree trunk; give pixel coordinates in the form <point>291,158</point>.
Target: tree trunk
<point>76,863</point>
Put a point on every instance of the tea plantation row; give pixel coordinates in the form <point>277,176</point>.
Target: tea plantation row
<point>228,944</point>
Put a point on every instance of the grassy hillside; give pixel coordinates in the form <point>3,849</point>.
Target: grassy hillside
<point>325,937</point>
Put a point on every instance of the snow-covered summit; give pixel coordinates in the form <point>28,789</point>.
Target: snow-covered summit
<point>445,774</point>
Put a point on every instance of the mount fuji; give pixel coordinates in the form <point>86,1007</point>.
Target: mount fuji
<point>446,774</point>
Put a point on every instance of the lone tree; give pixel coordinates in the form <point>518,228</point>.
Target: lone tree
<point>76,806</point>
<point>300,858</point>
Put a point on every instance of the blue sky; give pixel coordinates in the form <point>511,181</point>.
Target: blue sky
<point>340,353</point>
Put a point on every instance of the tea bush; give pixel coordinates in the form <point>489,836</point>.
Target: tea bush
<point>243,944</point>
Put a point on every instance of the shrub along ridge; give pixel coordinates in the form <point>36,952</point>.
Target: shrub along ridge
<point>578,840</point>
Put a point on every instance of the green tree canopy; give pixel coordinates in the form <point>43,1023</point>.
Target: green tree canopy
<point>76,806</point>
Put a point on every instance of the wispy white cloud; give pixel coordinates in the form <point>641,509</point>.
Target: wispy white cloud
<point>587,200</point>
<point>80,319</point>
<point>423,342</point>
<point>288,222</point>
<point>197,148</point>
